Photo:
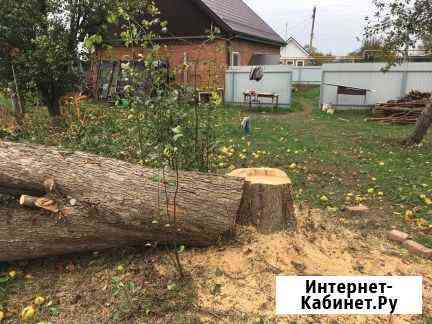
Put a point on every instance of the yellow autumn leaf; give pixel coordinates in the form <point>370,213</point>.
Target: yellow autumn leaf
<point>28,313</point>
<point>2,316</point>
<point>324,199</point>
<point>359,199</point>
<point>224,150</point>
<point>422,223</point>
<point>409,214</point>
<point>39,300</point>
<point>12,274</point>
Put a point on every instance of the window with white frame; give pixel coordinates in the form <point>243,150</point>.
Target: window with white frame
<point>235,59</point>
<point>300,63</point>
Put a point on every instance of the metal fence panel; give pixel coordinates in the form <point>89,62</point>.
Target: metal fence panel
<point>277,79</point>
<point>307,75</point>
<point>390,85</point>
<point>421,81</point>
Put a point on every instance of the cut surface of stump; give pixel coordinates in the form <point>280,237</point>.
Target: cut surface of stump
<point>267,201</point>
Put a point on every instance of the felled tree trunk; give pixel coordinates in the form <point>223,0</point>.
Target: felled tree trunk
<point>268,201</point>
<point>424,122</point>
<point>105,203</point>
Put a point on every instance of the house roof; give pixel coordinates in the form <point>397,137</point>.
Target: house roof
<point>240,19</point>
<point>292,39</point>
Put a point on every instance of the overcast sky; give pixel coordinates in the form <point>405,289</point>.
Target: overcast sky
<point>339,22</point>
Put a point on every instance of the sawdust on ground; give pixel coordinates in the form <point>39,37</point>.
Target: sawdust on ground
<point>240,280</point>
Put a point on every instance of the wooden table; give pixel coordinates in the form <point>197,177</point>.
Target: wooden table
<point>251,98</point>
<point>343,90</point>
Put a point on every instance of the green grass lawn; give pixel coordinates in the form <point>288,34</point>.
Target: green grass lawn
<point>340,160</point>
<point>334,160</point>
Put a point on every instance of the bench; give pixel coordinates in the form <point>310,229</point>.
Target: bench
<point>254,97</point>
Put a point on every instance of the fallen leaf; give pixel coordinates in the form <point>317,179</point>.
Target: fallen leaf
<point>28,313</point>
<point>12,274</point>
<point>324,199</point>
<point>39,300</point>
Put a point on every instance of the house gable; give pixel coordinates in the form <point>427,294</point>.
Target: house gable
<point>293,50</point>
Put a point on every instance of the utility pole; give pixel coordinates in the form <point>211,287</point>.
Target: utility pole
<point>313,29</point>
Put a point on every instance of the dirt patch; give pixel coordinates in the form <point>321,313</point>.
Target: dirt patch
<point>245,275</point>
<point>307,108</point>
<point>232,283</point>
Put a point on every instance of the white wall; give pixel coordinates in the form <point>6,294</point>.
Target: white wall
<point>292,51</point>
<point>391,85</point>
<point>277,79</point>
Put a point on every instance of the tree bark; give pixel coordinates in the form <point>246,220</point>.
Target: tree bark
<point>107,203</point>
<point>424,122</point>
<point>17,108</point>
<point>54,110</point>
<point>268,200</point>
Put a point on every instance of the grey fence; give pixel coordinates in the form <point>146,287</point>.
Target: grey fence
<point>381,86</point>
<point>307,75</point>
<point>277,80</point>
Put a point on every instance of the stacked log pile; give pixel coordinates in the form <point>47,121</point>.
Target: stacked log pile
<point>403,111</point>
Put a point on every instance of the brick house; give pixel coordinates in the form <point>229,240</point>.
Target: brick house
<point>243,34</point>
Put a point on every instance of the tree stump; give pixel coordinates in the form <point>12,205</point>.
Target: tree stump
<point>268,200</point>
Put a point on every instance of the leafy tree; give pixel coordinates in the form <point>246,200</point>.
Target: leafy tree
<point>401,24</point>
<point>41,39</point>
<point>320,57</point>
<point>372,49</point>
<point>427,44</point>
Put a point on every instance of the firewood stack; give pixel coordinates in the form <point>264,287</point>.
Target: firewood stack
<point>403,111</point>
